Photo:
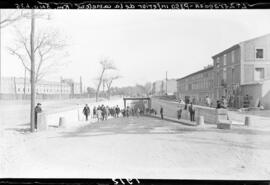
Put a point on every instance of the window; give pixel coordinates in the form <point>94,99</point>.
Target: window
<point>217,61</point>
<point>232,54</point>
<point>232,75</point>
<point>225,60</point>
<point>224,74</point>
<point>259,53</point>
<point>189,86</point>
<point>259,73</point>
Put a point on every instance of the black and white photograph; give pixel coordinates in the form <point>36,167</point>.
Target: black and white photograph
<point>135,94</point>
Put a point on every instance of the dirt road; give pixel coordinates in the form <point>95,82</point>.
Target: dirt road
<point>137,148</point>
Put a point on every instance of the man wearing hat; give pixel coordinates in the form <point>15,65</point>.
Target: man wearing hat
<point>37,110</point>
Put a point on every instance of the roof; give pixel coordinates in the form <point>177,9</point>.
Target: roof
<point>201,71</point>
<point>238,45</point>
<point>226,50</point>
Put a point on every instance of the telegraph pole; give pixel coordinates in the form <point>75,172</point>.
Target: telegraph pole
<point>0,57</point>
<point>33,85</point>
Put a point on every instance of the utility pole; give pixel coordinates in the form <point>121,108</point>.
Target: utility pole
<point>81,87</point>
<point>0,58</point>
<point>33,85</point>
<point>166,82</point>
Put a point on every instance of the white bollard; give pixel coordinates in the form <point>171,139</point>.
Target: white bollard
<point>201,121</point>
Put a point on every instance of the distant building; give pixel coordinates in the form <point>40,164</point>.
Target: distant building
<point>196,86</point>
<point>12,86</point>
<point>244,69</point>
<point>159,87</point>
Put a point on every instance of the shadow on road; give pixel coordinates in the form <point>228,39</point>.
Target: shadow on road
<point>236,137</point>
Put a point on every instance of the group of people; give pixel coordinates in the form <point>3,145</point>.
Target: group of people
<point>102,112</point>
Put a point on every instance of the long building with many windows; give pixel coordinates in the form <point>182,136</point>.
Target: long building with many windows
<point>240,73</point>
<point>196,86</point>
<point>19,87</point>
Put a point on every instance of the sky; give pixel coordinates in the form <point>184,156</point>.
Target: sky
<point>143,44</point>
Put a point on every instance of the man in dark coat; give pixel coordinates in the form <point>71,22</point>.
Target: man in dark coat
<point>161,112</point>
<point>117,111</point>
<point>37,110</point>
<point>220,105</point>
<point>192,112</point>
<point>179,113</point>
<point>86,111</point>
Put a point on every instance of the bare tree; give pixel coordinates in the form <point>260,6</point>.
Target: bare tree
<point>10,16</point>
<point>108,82</point>
<point>46,47</point>
<point>43,47</point>
<point>105,65</point>
<point>148,88</point>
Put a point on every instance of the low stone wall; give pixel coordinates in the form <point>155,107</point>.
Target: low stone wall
<point>51,118</point>
<point>211,115</point>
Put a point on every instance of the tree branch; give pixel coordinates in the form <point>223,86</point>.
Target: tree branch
<point>13,52</point>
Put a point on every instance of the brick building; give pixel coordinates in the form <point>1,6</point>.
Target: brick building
<point>196,86</point>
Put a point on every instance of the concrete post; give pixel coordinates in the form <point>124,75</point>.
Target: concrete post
<point>247,121</point>
<point>41,122</point>
<point>201,121</point>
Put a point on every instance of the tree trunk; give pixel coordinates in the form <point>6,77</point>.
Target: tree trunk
<point>33,88</point>
<point>24,84</point>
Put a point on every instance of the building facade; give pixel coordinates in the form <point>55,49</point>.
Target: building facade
<point>17,87</point>
<point>196,86</point>
<point>244,69</point>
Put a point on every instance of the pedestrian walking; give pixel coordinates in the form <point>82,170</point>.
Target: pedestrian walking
<point>192,112</point>
<point>161,112</point>
<point>94,112</point>
<point>127,111</point>
<point>138,112</point>
<point>37,111</point>
<point>103,111</point>
<point>117,111</point>
<point>246,101</point>
<point>179,113</point>
<point>208,101</point>
<point>86,111</point>
<point>99,114</point>
<point>224,102</point>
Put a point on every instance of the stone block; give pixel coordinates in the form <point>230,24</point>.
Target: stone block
<point>221,111</point>
<point>41,122</point>
<point>247,121</point>
<point>224,124</point>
